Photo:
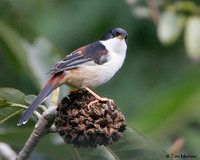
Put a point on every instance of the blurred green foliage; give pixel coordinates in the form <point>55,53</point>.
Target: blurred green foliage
<point>139,147</point>
<point>157,89</point>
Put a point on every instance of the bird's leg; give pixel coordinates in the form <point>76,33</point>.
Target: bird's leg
<point>98,98</point>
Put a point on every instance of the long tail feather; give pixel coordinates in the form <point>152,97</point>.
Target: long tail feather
<point>39,99</point>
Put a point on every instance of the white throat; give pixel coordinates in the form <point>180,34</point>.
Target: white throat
<point>116,54</point>
<point>115,45</point>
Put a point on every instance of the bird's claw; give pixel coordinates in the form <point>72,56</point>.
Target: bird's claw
<point>103,99</point>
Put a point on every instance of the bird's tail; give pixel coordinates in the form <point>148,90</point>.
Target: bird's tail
<point>49,87</point>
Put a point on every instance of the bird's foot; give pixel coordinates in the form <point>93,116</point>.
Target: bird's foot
<point>102,99</point>
<point>98,98</point>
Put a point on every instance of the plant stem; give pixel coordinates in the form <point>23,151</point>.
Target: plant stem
<point>41,129</point>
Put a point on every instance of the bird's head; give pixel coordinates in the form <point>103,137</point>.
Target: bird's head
<point>115,40</point>
<point>115,33</point>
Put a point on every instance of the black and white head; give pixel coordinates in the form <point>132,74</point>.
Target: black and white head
<point>115,40</point>
<point>115,33</point>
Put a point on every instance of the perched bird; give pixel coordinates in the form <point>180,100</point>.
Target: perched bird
<point>86,68</point>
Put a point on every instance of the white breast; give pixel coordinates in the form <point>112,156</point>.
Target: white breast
<point>116,55</point>
<point>94,76</point>
<point>116,52</point>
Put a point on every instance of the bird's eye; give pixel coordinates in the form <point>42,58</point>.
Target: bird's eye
<point>112,35</point>
<point>117,33</point>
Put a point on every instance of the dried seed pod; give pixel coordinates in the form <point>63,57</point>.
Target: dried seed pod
<point>88,126</point>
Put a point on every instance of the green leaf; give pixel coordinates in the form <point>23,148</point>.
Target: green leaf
<point>11,103</point>
<point>98,153</point>
<point>192,37</point>
<point>4,103</point>
<point>5,113</point>
<point>133,145</point>
<point>8,112</point>
<point>12,95</point>
<point>170,27</point>
<point>29,98</point>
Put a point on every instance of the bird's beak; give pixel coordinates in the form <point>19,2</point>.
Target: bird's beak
<point>121,36</point>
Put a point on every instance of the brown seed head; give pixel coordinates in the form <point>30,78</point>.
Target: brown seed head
<point>88,126</point>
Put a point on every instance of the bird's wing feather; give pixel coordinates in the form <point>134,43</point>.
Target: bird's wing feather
<point>92,54</point>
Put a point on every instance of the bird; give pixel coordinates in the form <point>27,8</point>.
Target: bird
<point>85,68</point>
